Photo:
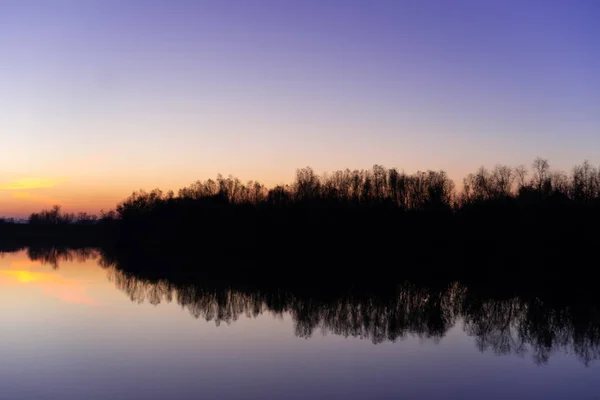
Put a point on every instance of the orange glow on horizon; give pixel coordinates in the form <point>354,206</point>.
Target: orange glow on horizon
<point>31,183</point>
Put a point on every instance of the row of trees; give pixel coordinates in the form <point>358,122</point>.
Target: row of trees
<point>374,188</point>
<point>359,187</point>
<point>55,216</point>
<point>418,191</point>
<point>581,186</point>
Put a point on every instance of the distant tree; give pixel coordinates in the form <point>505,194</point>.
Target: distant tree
<point>307,185</point>
<point>502,180</point>
<point>84,218</point>
<point>521,176</point>
<point>53,216</point>
<point>541,169</point>
<point>108,216</point>
<point>585,182</point>
<point>140,203</point>
<point>279,196</point>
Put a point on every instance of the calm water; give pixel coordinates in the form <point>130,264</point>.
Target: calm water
<point>83,329</point>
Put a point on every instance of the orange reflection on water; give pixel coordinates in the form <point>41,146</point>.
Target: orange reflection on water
<point>23,264</point>
<point>51,284</point>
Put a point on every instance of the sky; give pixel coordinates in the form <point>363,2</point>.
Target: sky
<point>100,98</point>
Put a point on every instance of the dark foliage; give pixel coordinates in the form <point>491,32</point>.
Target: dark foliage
<point>350,217</point>
<point>371,215</point>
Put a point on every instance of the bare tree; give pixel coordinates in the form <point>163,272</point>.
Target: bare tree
<point>521,175</point>
<point>502,180</point>
<point>541,169</point>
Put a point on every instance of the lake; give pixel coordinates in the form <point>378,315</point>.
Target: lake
<point>74,326</point>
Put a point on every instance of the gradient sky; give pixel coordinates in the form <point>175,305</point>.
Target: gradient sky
<point>98,98</point>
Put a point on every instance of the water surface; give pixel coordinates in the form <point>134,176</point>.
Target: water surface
<point>77,327</point>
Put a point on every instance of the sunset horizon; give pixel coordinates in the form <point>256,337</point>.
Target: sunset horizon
<point>32,195</point>
<point>103,98</point>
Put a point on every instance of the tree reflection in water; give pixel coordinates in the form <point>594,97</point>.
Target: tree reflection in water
<point>505,326</point>
<point>516,324</point>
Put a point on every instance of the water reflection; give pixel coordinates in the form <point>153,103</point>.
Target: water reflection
<point>504,326</point>
<point>517,326</point>
<point>53,256</point>
<point>51,284</point>
<point>521,325</point>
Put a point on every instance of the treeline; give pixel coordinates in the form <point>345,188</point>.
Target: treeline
<point>375,207</point>
<point>376,187</point>
<point>55,216</point>
<point>359,209</point>
<point>53,227</point>
<point>390,187</point>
